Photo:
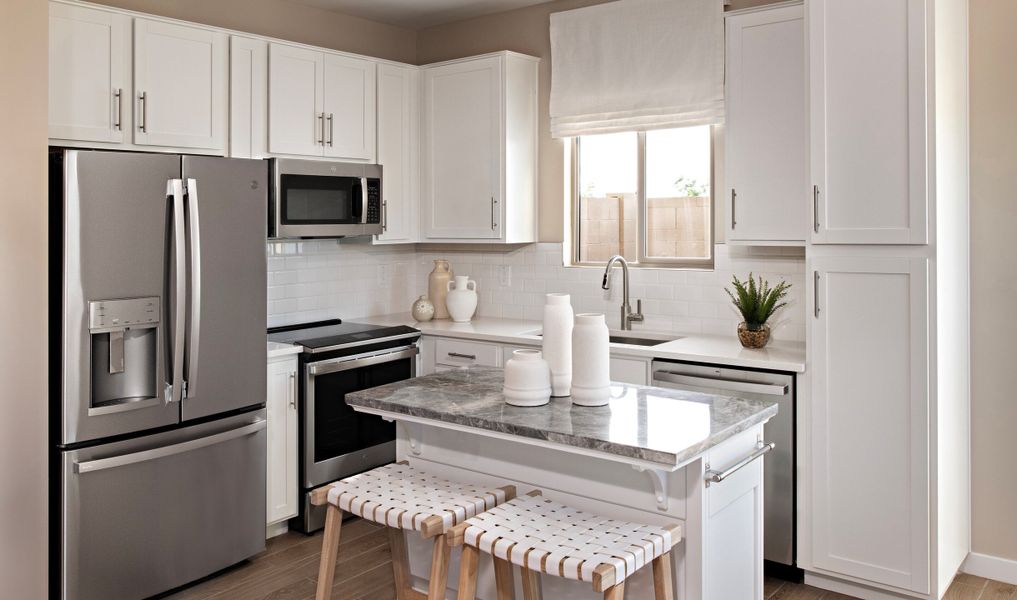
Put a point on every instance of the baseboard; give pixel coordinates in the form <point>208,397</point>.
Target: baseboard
<point>276,529</point>
<point>856,590</point>
<point>991,567</point>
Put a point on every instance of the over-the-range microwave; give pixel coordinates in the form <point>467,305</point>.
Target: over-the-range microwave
<point>323,199</point>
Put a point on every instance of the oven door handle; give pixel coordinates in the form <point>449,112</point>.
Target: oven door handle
<point>355,362</point>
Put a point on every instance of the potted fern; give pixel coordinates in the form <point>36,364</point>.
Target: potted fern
<point>757,302</point>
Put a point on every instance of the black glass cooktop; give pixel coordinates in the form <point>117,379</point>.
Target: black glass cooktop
<point>327,334</point>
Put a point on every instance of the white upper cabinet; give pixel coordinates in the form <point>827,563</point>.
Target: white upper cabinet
<point>248,97</point>
<point>321,104</point>
<point>869,160</point>
<point>349,107</point>
<point>479,154</point>
<point>89,74</point>
<point>765,127</point>
<point>180,85</point>
<point>398,126</point>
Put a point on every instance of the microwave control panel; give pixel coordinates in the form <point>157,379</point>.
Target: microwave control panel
<point>373,201</point>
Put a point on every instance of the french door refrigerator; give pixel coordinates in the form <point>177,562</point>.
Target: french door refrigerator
<point>158,311</point>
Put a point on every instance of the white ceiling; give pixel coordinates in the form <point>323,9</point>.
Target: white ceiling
<point>418,14</point>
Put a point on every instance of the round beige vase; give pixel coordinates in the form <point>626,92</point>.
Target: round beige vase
<point>437,287</point>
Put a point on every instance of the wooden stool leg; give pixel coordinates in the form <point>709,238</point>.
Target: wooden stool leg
<point>663,587</point>
<point>468,573</point>
<point>503,579</point>
<point>329,552</point>
<point>439,569</point>
<point>615,592</point>
<point>531,585</point>
<point>400,563</point>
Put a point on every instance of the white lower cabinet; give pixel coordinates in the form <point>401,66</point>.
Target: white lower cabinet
<point>281,405</point>
<point>870,432</point>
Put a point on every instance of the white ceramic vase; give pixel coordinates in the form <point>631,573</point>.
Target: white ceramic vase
<point>422,309</point>
<point>461,299</point>
<point>527,379</point>
<point>591,363</point>
<point>557,342</point>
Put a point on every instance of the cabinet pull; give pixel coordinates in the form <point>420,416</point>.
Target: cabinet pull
<point>718,476</point>
<point>117,110</point>
<point>331,128</point>
<point>815,208</point>
<point>384,216</point>
<point>321,128</point>
<point>734,198</point>
<point>142,112</point>
<point>293,391</point>
<point>494,206</point>
<point>466,356</point>
<point>815,293</point>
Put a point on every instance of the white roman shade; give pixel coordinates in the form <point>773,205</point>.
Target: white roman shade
<point>635,65</point>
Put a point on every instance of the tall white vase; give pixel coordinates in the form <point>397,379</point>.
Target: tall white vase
<point>461,300</point>
<point>591,362</point>
<point>557,342</point>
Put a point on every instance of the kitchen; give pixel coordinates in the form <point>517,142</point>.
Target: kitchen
<point>450,117</point>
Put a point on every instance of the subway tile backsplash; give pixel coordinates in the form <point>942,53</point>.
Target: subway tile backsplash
<point>323,279</point>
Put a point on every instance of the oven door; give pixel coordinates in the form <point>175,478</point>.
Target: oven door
<point>339,441</point>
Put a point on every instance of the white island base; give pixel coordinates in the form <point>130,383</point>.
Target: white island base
<point>720,557</point>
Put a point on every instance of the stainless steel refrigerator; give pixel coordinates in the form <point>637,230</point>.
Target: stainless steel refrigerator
<point>158,311</point>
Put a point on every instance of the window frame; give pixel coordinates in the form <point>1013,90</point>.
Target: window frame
<point>644,261</point>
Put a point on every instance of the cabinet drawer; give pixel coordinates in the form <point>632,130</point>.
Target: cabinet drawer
<point>458,353</point>
<point>628,370</point>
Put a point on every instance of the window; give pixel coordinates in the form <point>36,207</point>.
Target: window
<point>645,196</point>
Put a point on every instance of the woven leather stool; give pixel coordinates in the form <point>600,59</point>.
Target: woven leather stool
<point>402,498</point>
<point>543,536</point>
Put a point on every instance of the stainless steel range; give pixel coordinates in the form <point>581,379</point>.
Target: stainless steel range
<point>336,441</point>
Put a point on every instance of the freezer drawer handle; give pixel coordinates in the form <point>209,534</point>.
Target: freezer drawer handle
<point>718,476</point>
<point>156,453</point>
<point>724,384</point>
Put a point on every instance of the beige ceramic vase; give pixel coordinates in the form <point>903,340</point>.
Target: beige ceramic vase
<point>437,287</point>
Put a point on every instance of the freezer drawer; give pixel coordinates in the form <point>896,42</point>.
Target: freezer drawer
<point>142,516</point>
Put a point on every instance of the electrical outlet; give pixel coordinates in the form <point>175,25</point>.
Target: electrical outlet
<point>505,276</point>
<point>384,275</point>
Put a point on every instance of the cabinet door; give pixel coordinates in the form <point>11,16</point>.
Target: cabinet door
<point>248,97</point>
<point>868,121</point>
<point>296,124</point>
<point>397,152</point>
<point>281,406</point>
<point>630,370</point>
<point>463,151</point>
<point>349,107</point>
<point>88,77</point>
<point>180,86</point>
<point>870,431</point>
<point>765,127</point>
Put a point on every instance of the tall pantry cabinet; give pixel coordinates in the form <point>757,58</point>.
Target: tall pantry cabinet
<point>885,500</point>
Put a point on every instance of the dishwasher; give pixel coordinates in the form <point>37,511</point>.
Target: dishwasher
<point>779,523</point>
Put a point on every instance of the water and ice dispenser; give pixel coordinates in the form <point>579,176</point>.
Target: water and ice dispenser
<point>124,351</point>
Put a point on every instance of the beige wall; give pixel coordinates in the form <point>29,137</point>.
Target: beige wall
<point>993,276</point>
<point>288,21</point>
<point>23,31</point>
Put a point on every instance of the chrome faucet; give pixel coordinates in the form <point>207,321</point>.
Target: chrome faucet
<point>627,316</point>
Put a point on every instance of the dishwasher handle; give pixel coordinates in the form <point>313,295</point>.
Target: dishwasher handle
<point>733,385</point>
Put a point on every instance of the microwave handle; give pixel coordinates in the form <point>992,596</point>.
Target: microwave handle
<point>363,200</point>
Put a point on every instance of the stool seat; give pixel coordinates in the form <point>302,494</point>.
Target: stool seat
<point>402,497</point>
<point>548,537</point>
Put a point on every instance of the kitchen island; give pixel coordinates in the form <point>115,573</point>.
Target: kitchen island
<point>649,456</point>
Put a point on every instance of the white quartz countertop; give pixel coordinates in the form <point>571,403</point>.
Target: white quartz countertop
<point>275,349</point>
<point>713,349</point>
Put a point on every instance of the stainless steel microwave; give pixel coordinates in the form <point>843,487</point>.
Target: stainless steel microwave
<point>322,199</point>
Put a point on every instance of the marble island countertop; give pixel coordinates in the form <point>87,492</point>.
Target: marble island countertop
<point>712,349</point>
<point>662,426</point>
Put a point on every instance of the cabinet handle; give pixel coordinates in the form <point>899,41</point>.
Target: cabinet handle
<point>117,110</point>
<point>293,391</point>
<point>331,128</point>
<point>384,216</point>
<point>466,356</point>
<point>494,206</point>
<point>815,293</point>
<point>142,112</point>
<point>734,198</point>
<point>815,208</point>
<point>718,476</point>
<point>321,128</point>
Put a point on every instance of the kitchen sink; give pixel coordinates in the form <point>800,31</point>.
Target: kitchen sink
<point>631,338</point>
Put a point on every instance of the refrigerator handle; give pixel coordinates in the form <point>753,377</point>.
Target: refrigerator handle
<point>194,336</point>
<point>175,191</point>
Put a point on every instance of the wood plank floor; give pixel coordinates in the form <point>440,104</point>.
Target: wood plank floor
<point>288,570</point>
